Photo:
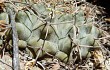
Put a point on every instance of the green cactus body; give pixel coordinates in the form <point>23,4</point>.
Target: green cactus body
<point>50,29</point>
<point>4,16</point>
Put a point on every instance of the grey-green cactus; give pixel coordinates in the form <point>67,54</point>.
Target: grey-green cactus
<point>55,31</point>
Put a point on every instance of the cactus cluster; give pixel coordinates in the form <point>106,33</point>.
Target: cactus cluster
<point>57,30</point>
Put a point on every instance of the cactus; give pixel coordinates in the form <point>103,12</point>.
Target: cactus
<point>55,31</point>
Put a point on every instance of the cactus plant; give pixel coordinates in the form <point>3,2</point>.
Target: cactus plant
<point>55,31</point>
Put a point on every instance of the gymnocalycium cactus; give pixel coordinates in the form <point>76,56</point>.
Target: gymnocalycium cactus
<point>56,30</point>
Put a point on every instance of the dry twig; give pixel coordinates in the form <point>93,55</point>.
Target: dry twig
<point>16,65</point>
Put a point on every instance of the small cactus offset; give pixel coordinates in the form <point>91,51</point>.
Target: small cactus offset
<point>58,28</point>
